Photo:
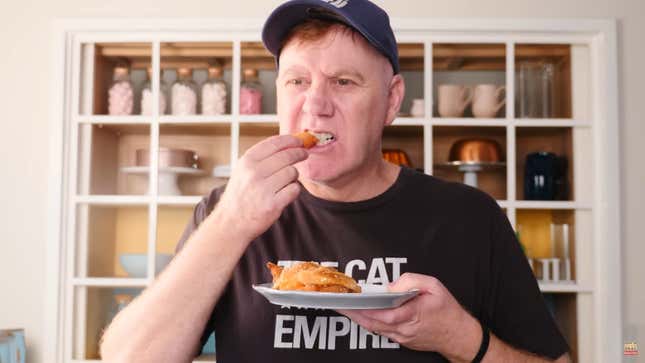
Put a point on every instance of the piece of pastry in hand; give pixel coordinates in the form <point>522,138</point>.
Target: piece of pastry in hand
<point>310,276</point>
<point>311,139</point>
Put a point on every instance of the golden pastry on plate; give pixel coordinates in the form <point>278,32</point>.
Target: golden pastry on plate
<point>311,276</point>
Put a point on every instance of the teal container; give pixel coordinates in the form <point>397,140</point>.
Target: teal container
<point>12,346</point>
<point>209,347</point>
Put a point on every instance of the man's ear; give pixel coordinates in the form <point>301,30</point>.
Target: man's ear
<point>395,98</point>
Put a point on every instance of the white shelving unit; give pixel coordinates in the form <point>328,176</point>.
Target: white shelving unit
<point>78,291</point>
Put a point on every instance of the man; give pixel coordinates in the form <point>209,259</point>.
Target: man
<point>343,205</point>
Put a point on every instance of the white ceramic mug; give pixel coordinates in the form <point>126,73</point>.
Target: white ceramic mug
<point>453,99</point>
<point>418,107</point>
<point>486,101</point>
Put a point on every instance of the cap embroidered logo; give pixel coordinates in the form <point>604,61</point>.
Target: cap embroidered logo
<point>337,3</point>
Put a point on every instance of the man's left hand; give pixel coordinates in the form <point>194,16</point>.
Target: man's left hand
<point>432,321</point>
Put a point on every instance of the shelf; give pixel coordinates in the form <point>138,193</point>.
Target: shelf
<point>547,204</point>
<point>116,215</point>
<point>558,142</point>
<point>409,121</point>
<point>491,181</point>
<point>408,138</point>
<point>567,310</point>
<point>171,223</point>
<point>551,123</point>
<point>110,282</point>
<point>534,98</point>
<point>104,150</point>
<point>185,200</point>
<point>548,234</point>
<point>564,288</point>
<point>205,358</point>
<point>113,120</point>
<point>174,54</point>
<point>95,308</point>
<point>113,200</point>
<point>196,119</point>
<point>535,123</point>
<point>402,120</point>
<point>445,121</point>
<point>252,133</point>
<point>211,143</point>
<point>447,56</point>
<point>105,233</point>
<point>197,54</point>
<point>469,81</point>
<point>504,204</point>
<point>266,118</point>
<point>469,57</point>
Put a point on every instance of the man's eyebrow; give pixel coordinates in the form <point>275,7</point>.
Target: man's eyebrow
<point>292,70</point>
<point>347,72</point>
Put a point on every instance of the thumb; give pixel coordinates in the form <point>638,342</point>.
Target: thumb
<point>411,281</point>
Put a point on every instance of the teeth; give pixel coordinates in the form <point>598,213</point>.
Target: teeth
<point>324,138</point>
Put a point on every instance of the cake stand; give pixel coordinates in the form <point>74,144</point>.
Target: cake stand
<point>470,169</point>
<point>168,177</point>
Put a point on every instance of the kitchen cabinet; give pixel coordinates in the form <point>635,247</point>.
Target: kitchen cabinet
<point>105,212</point>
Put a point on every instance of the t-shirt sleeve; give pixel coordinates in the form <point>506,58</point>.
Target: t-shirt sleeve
<point>516,309</point>
<point>200,212</point>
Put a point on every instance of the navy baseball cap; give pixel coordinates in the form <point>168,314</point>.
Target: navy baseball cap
<point>361,15</point>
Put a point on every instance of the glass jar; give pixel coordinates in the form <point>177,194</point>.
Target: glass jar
<point>184,93</point>
<point>121,92</point>
<point>214,92</point>
<point>535,89</point>
<point>146,96</point>
<point>548,70</point>
<point>250,93</point>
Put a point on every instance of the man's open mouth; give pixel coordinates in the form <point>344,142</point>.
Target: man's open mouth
<point>324,138</point>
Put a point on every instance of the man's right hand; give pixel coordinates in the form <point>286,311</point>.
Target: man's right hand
<point>262,184</point>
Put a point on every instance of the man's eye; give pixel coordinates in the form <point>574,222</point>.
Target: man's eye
<point>343,82</point>
<point>296,82</point>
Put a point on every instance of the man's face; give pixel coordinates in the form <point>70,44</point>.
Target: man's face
<point>337,85</point>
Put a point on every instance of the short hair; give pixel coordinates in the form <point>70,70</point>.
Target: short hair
<point>312,30</point>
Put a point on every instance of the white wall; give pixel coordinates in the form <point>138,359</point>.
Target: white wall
<point>25,84</point>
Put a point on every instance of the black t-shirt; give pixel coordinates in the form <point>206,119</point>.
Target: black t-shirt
<point>420,224</point>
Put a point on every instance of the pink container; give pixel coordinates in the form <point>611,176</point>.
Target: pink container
<point>250,101</point>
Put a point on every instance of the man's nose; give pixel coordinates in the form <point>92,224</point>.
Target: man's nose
<point>318,100</point>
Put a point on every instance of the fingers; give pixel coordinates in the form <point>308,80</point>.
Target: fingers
<point>410,281</point>
<point>386,321</point>
<point>402,314</point>
<point>375,326</point>
<point>287,195</point>
<point>272,145</point>
<point>280,160</point>
<point>282,178</point>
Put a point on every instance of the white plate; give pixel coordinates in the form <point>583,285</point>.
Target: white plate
<point>371,297</point>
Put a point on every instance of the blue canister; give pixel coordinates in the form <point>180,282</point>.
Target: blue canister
<point>545,177</point>
<point>12,346</point>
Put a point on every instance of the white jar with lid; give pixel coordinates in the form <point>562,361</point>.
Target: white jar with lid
<point>121,93</point>
<point>214,92</point>
<point>184,93</point>
<point>418,107</point>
